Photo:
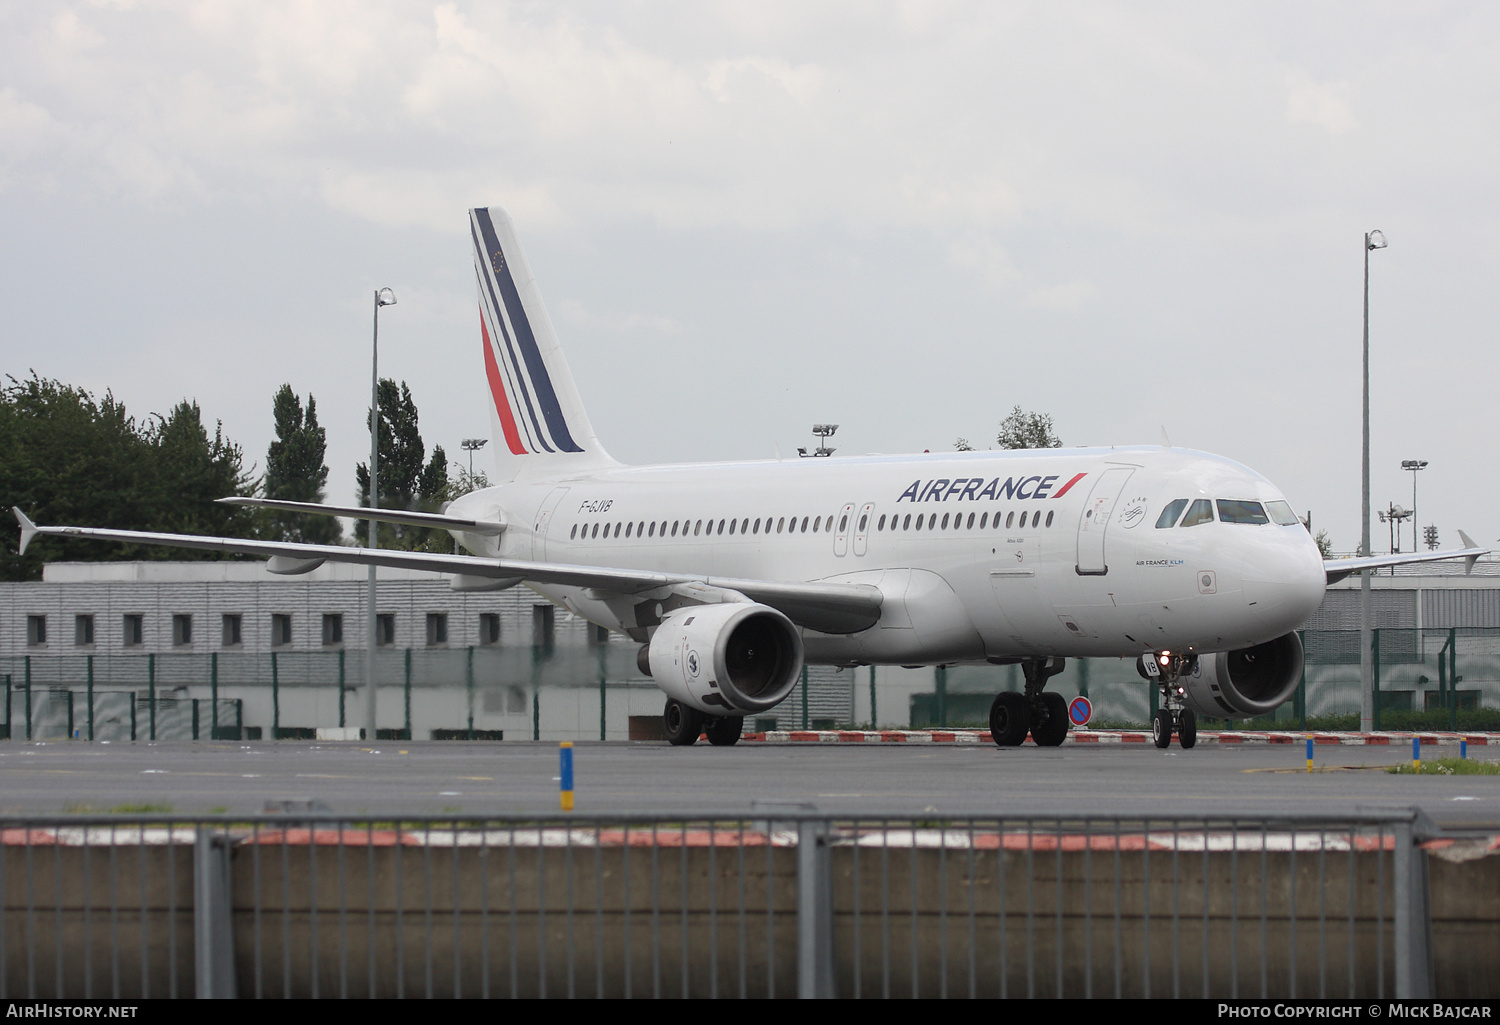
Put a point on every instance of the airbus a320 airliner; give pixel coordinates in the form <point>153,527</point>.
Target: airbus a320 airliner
<point>731,575</point>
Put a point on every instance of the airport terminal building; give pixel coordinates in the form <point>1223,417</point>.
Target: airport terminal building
<point>184,647</point>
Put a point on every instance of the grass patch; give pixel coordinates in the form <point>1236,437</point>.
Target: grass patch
<point>141,809</point>
<point>1447,767</point>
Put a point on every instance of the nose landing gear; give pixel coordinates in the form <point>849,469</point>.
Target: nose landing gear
<point>1041,713</point>
<point>1165,669</point>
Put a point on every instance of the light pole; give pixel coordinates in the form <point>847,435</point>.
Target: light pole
<point>383,297</point>
<point>1373,240</point>
<point>472,445</point>
<point>1413,465</point>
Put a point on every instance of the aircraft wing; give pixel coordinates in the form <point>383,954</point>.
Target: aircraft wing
<point>403,516</point>
<point>827,606</point>
<point>1338,569</point>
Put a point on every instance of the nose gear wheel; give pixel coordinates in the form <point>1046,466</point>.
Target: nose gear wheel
<point>682,723</point>
<point>724,730</point>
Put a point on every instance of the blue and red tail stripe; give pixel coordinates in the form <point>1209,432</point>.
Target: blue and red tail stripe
<point>514,364</point>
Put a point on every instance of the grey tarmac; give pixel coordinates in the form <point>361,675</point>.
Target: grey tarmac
<point>427,777</point>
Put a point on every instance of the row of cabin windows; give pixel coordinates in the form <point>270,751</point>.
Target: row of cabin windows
<point>791,525</point>
<point>232,629</point>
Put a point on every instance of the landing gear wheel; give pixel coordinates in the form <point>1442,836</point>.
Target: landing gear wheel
<point>1187,728</point>
<point>1052,731</point>
<point>1161,727</point>
<point>724,730</point>
<point>1010,719</point>
<point>683,724</point>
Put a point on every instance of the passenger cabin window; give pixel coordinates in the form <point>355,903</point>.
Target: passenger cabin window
<point>1233,511</point>
<point>1169,515</point>
<point>1282,515</point>
<point>1201,511</point>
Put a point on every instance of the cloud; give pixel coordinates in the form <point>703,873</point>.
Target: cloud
<point>1324,105</point>
<point>575,314</point>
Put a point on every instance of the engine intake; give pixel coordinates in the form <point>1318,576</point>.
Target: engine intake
<point>1246,682</point>
<point>730,659</point>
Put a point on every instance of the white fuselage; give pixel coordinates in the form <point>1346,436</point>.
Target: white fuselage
<point>970,583</point>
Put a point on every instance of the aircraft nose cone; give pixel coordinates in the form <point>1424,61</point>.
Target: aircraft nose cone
<point>1283,583</point>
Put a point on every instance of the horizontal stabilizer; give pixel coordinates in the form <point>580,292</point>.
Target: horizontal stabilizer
<point>410,518</point>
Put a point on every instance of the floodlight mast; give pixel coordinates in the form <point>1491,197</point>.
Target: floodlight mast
<point>1414,465</point>
<point>1373,240</point>
<point>383,297</point>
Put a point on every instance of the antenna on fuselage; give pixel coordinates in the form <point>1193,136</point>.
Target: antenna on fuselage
<point>1166,442</point>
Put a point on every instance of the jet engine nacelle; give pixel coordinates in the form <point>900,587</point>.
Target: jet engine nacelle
<point>1246,682</point>
<point>730,659</point>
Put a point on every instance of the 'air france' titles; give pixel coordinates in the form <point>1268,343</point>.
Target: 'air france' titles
<point>975,489</point>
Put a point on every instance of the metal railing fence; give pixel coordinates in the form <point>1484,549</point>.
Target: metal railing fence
<point>784,903</point>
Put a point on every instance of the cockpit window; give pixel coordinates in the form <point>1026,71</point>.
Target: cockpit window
<point>1201,511</point>
<point>1170,513</point>
<point>1281,514</point>
<point>1233,511</point>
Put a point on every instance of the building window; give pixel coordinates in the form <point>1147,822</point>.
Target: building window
<point>333,629</point>
<point>281,630</point>
<point>36,631</point>
<point>541,626</point>
<point>134,631</point>
<point>489,628</point>
<point>385,629</point>
<point>598,634</point>
<point>182,630</point>
<point>437,628</point>
<point>83,630</point>
<point>232,637</point>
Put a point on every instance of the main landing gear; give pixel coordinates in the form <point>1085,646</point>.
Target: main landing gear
<point>1164,669</point>
<point>1039,712</point>
<point>684,723</point>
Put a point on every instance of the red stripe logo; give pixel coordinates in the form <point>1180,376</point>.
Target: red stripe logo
<point>497,389</point>
<point>1064,489</point>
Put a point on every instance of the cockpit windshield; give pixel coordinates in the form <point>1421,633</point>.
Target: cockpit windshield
<point>1234,511</point>
<point>1201,511</point>
<point>1169,515</point>
<point>1282,515</point>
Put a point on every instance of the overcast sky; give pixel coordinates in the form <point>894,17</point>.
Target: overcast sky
<point>904,218</point>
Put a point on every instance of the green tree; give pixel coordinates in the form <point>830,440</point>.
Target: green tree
<point>1027,430</point>
<point>1021,430</point>
<point>69,458</point>
<point>1324,543</point>
<point>191,472</point>
<point>407,478</point>
<point>296,472</point>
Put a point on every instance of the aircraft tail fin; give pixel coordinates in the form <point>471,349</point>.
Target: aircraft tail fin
<point>539,423</point>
